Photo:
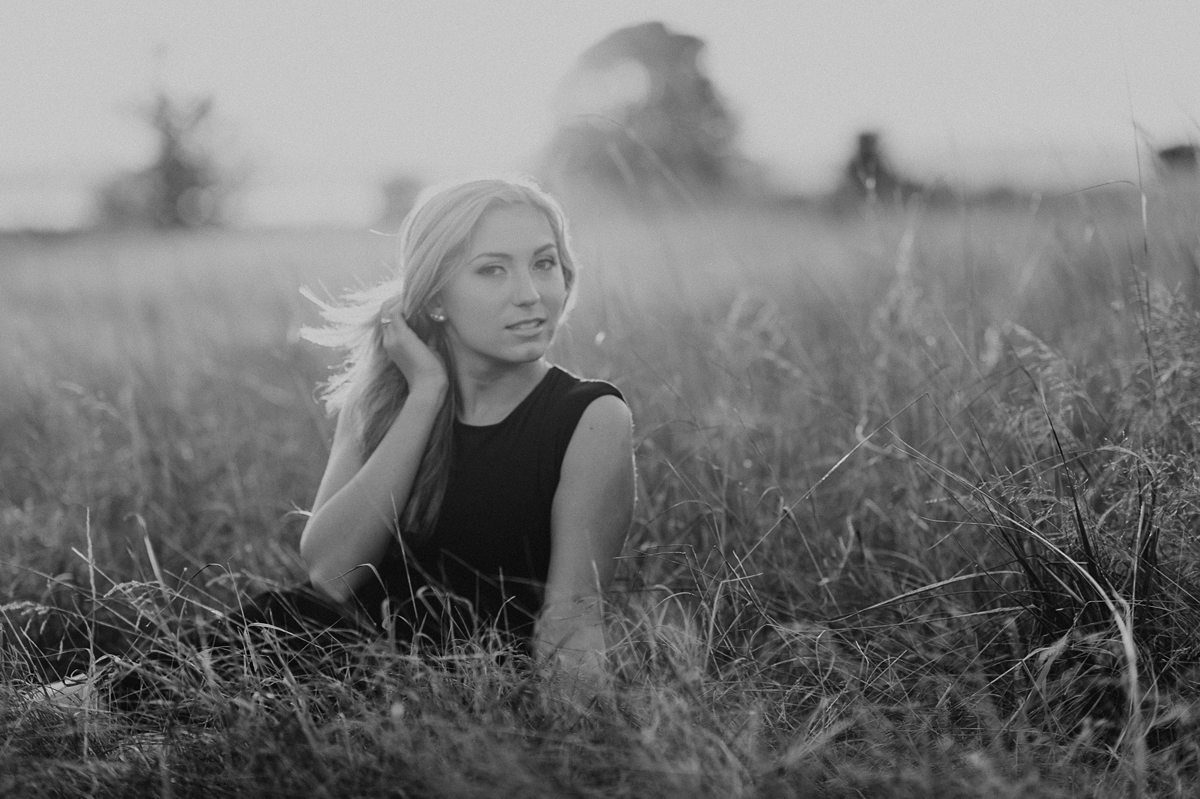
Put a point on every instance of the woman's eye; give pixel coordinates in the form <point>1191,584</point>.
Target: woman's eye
<point>546,264</point>
<point>491,269</point>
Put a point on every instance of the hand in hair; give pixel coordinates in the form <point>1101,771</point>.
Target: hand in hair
<point>419,364</point>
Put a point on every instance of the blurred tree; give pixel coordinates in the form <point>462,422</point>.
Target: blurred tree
<point>870,175</point>
<point>638,110</point>
<point>183,186</point>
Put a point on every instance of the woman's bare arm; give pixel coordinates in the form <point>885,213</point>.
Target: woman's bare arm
<point>358,502</point>
<point>593,507</point>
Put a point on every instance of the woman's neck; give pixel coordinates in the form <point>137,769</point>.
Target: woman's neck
<point>488,394</point>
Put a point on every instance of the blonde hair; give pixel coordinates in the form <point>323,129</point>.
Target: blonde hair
<point>432,242</point>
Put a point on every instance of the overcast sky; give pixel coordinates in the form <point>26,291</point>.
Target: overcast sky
<point>326,99</point>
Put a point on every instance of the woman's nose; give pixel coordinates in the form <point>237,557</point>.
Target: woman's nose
<point>525,291</point>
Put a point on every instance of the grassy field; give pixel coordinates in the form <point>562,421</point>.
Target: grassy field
<point>919,500</point>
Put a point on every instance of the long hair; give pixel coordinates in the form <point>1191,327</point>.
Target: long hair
<point>432,243</point>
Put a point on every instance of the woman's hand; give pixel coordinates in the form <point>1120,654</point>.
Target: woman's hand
<point>419,364</point>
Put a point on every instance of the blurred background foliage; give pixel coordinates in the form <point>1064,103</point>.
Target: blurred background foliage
<point>639,119</point>
<point>186,185</point>
<point>639,115</point>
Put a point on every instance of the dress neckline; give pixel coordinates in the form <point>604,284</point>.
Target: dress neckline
<point>461,425</point>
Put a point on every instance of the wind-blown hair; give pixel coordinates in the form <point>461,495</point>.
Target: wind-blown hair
<point>433,241</point>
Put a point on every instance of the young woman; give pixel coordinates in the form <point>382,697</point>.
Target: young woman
<point>472,484</point>
<point>472,487</point>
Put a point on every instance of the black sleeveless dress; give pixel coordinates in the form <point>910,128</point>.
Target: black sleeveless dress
<point>486,562</point>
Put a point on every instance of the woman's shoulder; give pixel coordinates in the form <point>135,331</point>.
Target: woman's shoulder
<point>568,397</point>
<point>571,387</point>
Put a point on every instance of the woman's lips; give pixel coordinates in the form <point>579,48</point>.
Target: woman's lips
<point>526,325</point>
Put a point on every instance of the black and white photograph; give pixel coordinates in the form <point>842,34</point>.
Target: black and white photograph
<point>566,398</point>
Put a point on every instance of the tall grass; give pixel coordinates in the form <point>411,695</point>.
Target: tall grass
<point>918,493</point>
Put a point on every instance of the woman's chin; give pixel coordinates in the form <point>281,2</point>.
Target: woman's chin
<point>509,357</point>
<point>529,354</point>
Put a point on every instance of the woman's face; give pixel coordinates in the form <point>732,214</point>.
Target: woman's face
<point>503,303</point>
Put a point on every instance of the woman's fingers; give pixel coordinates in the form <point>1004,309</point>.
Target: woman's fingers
<point>389,314</point>
<point>416,361</point>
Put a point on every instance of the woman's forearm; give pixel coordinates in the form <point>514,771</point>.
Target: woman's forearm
<point>352,527</point>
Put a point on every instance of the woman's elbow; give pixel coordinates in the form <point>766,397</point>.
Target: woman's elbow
<point>309,551</point>
<point>322,573</point>
<point>333,585</point>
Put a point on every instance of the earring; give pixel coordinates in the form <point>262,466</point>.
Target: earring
<point>437,316</point>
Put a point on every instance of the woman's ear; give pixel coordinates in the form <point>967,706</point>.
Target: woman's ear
<point>427,321</point>
<point>435,311</point>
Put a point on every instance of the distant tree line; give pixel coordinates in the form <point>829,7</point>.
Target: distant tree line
<point>639,118</point>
